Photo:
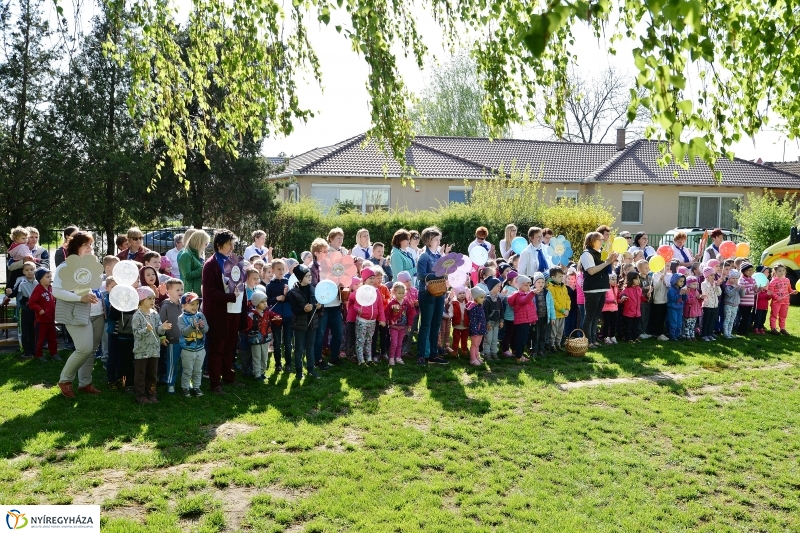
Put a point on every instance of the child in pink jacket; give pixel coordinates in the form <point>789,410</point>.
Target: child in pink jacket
<point>692,308</point>
<point>781,290</point>
<point>610,310</point>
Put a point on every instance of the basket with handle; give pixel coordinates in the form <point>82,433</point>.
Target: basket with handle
<point>577,346</point>
<point>435,286</point>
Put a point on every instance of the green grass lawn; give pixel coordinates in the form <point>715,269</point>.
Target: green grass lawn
<point>710,444</point>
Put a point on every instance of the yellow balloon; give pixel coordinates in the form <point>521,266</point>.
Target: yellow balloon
<point>797,285</point>
<point>657,263</point>
<point>620,245</point>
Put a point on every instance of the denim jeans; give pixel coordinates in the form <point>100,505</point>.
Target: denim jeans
<point>331,318</point>
<point>282,339</point>
<point>431,310</point>
<point>303,344</point>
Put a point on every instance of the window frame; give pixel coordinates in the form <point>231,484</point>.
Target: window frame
<point>698,195</point>
<point>363,187</point>
<point>461,188</point>
<point>567,194</point>
<point>640,196</point>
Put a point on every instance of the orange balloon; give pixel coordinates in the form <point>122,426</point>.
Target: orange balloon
<point>727,249</point>
<point>742,249</point>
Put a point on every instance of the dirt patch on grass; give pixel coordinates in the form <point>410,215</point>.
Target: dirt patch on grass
<point>112,482</point>
<point>134,512</point>
<point>717,392</point>
<point>420,425</point>
<point>199,470</point>
<point>655,378</point>
<point>295,528</point>
<point>227,430</point>
<point>42,386</point>
<point>776,366</point>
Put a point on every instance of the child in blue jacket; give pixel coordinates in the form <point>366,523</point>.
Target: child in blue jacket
<point>676,300</point>
<point>282,331</point>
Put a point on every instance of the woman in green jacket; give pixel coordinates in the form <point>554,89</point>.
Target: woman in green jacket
<point>190,262</point>
<point>401,260</point>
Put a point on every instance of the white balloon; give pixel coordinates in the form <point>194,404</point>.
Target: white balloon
<point>124,297</point>
<point>366,295</point>
<point>457,278</point>
<point>125,273</point>
<point>326,291</point>
<point>479,255</point>
<point>292,281</point>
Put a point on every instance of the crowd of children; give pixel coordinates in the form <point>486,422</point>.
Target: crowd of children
<point>499,312</point>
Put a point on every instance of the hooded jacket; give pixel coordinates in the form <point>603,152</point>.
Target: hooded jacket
<point>694,305</point>
<point>676,300</point>
<point>733,295</point>
<point>560,297</point>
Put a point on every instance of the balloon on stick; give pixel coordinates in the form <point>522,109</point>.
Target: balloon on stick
<point>123,298</point>
<point>479,255</point>
<point>666,252</point>
<point>457,278</point>
<point>518,244</point>
<point>366,295</point>
<point>620,245</point>
<point>657,263</point>
<point>761,279</point>
<point>326,292</point>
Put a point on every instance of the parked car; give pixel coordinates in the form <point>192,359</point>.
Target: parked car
<point>786,252</point>
<point>693,236</point>
<point>163,240</point>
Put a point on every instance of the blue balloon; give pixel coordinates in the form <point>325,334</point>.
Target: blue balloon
<point>326,292</point>
<point>519,244</point>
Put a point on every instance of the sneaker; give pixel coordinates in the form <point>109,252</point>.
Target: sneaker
<point>171,389</point>
<point>187,393</point>
<point>712,337</point>
<point>522,359</point>
<point>706,339</point>
<point>323,366</point>
<point>56,357</point>
<point>391,361</point>
<point>608,340</point>
<point>278,368</point>
<point>728,336</point>
<point>662,337</point>
<point>197,392</point>
<point>508,354</point>
<point>422,361</point>
<point>66,389</point>
<point>218,391</point>
<point>438,360</point>
<point>784,332</point>
<point>262,377</point>
<point>613,340</point>
<point>313,374</point>
<point>399,361</point>
<point>475,363</point>
<point>205,375</point>
<point>644,336</point>
<point>90,389</point>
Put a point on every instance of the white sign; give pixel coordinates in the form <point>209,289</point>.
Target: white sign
<point>49,518</point>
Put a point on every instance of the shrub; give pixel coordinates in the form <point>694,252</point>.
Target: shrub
<point>765,220</point>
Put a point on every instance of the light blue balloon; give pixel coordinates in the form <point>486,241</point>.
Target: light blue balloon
<point>760,279</point>
<point>326,292</point>
<point>519,244</point>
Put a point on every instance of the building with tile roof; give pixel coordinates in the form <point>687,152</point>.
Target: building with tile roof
<point>649,197</point>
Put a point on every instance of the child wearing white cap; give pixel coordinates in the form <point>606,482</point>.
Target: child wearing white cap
<point>147,328</point>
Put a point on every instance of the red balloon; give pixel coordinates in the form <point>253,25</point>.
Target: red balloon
<point>727,249</point>
<point>666,252</point>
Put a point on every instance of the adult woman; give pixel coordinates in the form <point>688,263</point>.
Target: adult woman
<point>431,307</point>
<point>172,254</point>
<point>73,311</point>
<point>223,327</point>
<point>401,259</point>
<point>679,250</point>
<point>712,252</point>
<point>413,245</point>
<point>363,247</point>
<point>505,244</point>
<point>136,249</point>
<point>335,240</point>
<point>595,283</point>
<point>61,253</point>
<point>640,241</point>
<point>190,261</point>
<point>481,235</point>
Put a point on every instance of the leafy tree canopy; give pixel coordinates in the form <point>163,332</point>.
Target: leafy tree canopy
<point>746,55</point>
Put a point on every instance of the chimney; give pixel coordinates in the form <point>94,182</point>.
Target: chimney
<point>620,139</point>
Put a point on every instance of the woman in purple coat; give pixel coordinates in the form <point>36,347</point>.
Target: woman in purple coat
<point>223,327</point>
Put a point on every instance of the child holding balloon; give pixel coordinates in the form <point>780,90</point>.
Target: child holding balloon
<point>762,305</point>
<point>748,300</point>
<point>711,290</point>
<point>367,314</point>
<point>781,290</point>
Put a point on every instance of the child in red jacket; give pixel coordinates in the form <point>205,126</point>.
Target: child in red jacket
<point>400,313</point>
<point>43,306</point>
<point>460,320</point>
<point>631,299</point>
<point>762,306</point>
<point>524,315</point>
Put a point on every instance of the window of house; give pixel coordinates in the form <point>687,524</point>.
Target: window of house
<point>366,198</point>
<point>631,212</point>
<point>571,194</point>
<point>292,193</point>
<point>459,194</point>
<point>707,211</point>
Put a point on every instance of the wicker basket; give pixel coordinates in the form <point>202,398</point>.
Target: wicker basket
<point>436,286</point>
<point>577,346</point>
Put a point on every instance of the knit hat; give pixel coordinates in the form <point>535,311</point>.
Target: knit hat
<point>40,272</point>
<point>355,281</point>
<point>691,279</point>
<point>459,290</point>
<point>189,297</point>
<point>304,255</point>
<point>537,276</point>
<point>366,273</point>
<point>145,293</point>
<point>477,292</point>
<point>491,283</point>
<point>733,273</point>
<point>257,298</point>
<point>707,272</point>
<point>511,275</point>
<point>165,262</point>
<point>404,276</point>
<point>300,272</point>
<point>745,266</point>
<point>503,267</point>
<point>524,279</point>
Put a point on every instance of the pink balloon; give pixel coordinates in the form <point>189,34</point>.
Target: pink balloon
<point>457,278</point>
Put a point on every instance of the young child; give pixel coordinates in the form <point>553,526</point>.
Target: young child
<point>366,317</point>
<point>631,299</point>
<point>381,331</point>
<point>122,243</point>
<point>306,311</point>
<point>558,290</point>
<point>146,326</point>
<point>627,259</point>
<point>43,306</point>
<point>524,315</point>
<point>545,315</point>
<point>733,295</point>
<point>23,288</point>
<point>400,315</point>
<point>509,288</point>
<point>493,311</point>
<point>251,286</point>
<point>120,372</point>
<point>571,321</point>
<point>153,259</point>
<point>109,262</point>
<point>676,300</point>
<point>610,311</point>
<point>447,322</point>
<point>193,328</point>
<point>458,310</point>
<point>170,312</point>
<point>477,325</point>
<point>259,334</point>
<point>277,289</point>
<point>412,295</point>
<point>748,300</point>
<point>711,291</point>
<point>692,309</point>
<point>166,266</point>
<point>19,251</point>
<point>646,283</point>
<point>781,290</point>
<point>762,305</point>
<point>350,319</point>
<point>148,277</point>
<point>380,261</point>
